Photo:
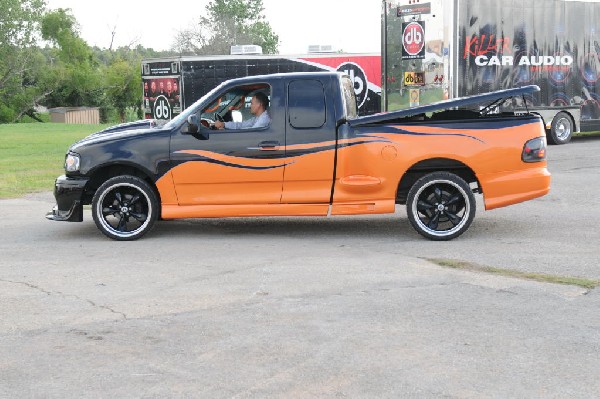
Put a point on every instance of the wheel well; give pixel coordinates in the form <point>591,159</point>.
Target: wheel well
<point>427,166</point>
<point>102,174</point>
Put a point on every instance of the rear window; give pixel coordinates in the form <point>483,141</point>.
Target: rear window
<point>349,98</point>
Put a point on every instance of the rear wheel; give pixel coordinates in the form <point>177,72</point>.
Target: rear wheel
<point>440,206</point>
<point>125,208</point>
<point>561,130</point>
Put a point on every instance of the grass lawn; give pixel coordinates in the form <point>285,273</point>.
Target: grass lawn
<point>32,155</point>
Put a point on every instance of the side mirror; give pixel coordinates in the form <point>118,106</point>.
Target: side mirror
<point>193,128</point>
<point>193,123</point>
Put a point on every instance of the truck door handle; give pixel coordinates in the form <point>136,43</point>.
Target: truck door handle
<point>268,145</point>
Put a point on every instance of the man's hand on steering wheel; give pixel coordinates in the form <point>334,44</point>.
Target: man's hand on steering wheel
<point>219,123</point>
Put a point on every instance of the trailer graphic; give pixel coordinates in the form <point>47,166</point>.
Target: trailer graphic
<point>478,46</point>
<point>173,84</point>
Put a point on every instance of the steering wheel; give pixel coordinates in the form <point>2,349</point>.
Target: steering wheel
<point>208,124</point>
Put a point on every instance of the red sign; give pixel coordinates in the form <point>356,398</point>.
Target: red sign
<point>364,71</point>
<point>413,40</point>
<point>370,64</point>
<point>487,45</point>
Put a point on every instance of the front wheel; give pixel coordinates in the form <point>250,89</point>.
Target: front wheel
<point>125,208</point>
<point>440,206</point>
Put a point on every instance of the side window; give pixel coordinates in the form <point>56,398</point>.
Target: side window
<point>306,104</point>
<point>238,108</point>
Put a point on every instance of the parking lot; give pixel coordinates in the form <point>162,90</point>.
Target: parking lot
<point>307,307</point>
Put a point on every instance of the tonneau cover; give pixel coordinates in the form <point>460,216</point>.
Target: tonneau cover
<point>442,105</point>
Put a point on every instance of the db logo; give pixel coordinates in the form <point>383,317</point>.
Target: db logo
<point>161,108</point>
<point>413,38</point>
<point>358,78</point>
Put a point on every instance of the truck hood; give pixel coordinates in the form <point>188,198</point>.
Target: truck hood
<point>139,124</point>
<point>115,134</point>
<point>489,98</point>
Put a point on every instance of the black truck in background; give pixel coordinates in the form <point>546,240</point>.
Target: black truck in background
<point>174,83</point>
<point>438,49</point>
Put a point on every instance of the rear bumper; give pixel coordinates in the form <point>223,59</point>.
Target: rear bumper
<point>68,192</point>
<point>509,188</point>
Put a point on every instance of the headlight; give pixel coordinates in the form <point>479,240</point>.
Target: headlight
<point>72,162</point>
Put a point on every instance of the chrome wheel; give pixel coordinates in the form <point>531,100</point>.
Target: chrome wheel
<point>561,130</point>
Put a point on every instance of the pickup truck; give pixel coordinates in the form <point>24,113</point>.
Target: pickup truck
<point>315,158</point>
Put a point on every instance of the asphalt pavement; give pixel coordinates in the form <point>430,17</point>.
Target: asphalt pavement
<point>306,307</point>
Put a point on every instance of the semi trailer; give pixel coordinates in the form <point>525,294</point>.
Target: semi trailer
<point>438,49</point>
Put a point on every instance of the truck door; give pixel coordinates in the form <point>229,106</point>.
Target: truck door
<point>310,141</point>
<point>232,167</point>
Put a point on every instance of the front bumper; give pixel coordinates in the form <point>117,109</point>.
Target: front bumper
<point>68,192</point>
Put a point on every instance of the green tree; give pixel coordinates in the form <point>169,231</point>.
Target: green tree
<point>227,23</point>
<point>19,57</point>
<point>123,86</point>
<point>79,79</point>
<point>66,72</point>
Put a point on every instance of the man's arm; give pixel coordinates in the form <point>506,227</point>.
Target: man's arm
<point>240,125</point>
<point>263,120</point>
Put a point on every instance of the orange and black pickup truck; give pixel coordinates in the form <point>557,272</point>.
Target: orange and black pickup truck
<point>307,154</point>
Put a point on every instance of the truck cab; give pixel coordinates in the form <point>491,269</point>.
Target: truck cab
<point>304,109</point>
<point>194,170</point>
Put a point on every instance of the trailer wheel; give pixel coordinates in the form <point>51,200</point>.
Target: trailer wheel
<point>440,206</point>
<point>561,130</point>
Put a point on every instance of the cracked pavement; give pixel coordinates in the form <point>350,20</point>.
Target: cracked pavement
<point>284,307</point>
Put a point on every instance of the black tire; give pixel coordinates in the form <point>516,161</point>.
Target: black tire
<point>125,208</point>
<point>440,206</point>
<point>561,131</point>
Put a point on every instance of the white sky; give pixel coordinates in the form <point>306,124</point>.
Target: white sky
<point>349,25</point>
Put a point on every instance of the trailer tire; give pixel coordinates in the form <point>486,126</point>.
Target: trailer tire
<point>561,130</point>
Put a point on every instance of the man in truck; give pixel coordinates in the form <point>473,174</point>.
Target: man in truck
<point>258,108</point>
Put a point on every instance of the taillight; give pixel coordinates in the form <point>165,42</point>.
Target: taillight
<point>534,150</point>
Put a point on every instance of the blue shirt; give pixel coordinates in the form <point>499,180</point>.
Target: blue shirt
<point>262,120</point>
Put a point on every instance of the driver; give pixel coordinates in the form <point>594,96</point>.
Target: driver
<point>258,108</point>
